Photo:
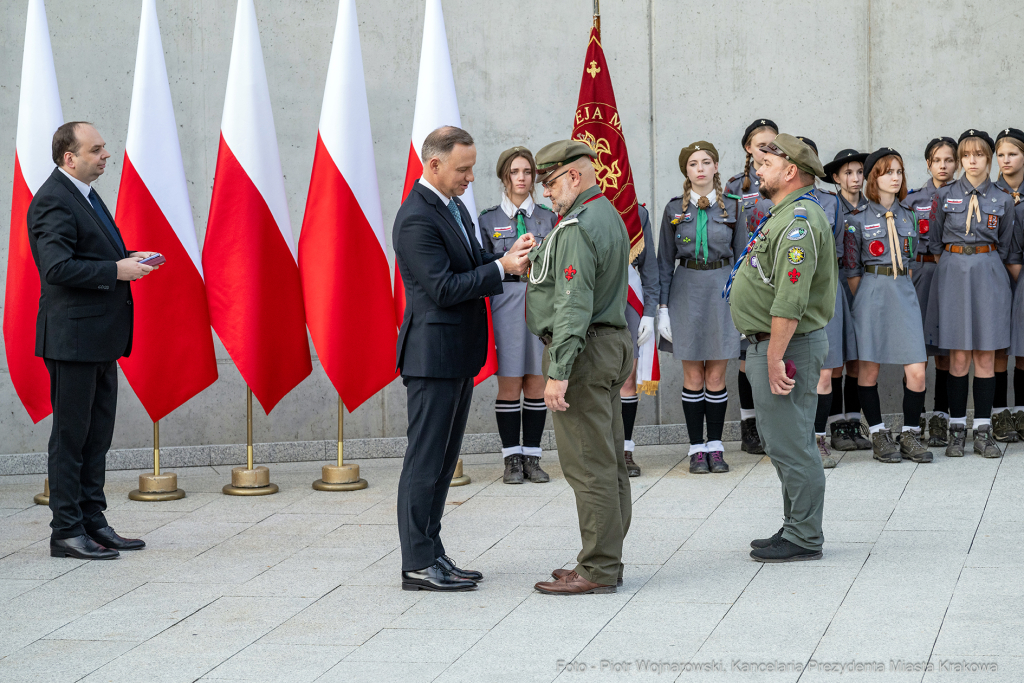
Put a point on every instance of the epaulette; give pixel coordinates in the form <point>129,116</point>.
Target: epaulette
<point>545,207</point>
<point>913,190</point>
<point>824,191</point>
<point>675,198</point>
<point>738,176</point>
<point>488,210</point>
<point>1005,191</point>
<point>799,211</point>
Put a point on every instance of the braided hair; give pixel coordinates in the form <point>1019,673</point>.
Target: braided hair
<point>750,156</point>
<point>688,188</point>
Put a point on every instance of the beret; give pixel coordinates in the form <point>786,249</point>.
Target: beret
<point>936,142</point>
<point>980,134</point>
<point>755,125</point>
<point>503,157</point>
<point>873,158</point>
<point>700,146</point>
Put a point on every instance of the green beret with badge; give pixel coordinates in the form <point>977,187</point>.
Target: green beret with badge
<point>795,151</point>
<point>504,156</point>
<point>556,155</point>
<point>700,146</point>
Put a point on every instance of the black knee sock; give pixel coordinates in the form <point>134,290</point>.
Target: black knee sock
<point>851,395</point>
<point>942,391</point>
<point>1018,387</point>
<point>746,392</point>
<point>837,397</point>
<point>870,404</point>
<point>715,403</point>
<point>821,415</point>
<point>984,390</point>
<point>693,412</point>
<point>629,406</point>
<point>957,390</point>
<point>999,399</point>
<point>534,414</point>
<point>913,406</point>
<point>507,413</point>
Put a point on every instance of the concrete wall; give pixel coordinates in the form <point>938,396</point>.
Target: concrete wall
<point>850,74</point>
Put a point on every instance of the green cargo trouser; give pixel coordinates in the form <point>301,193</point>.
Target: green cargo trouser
<point>786,426</point>
<point>590,438</point>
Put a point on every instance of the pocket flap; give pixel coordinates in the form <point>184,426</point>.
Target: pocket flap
<point>90,311</point>
<point>444,317</point>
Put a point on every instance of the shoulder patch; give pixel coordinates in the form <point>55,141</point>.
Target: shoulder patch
<point>797,233</point>
<point>543,206</point>
<point>913,190</point>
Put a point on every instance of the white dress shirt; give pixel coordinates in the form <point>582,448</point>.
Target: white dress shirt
<point>82,187</point>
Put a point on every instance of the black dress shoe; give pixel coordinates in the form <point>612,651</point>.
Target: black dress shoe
<point>782,550</point>
<point>81,548</point>
<point>765,542</point>
<point>449,566</point>
<point>108,538</point>
<point>435,578</point>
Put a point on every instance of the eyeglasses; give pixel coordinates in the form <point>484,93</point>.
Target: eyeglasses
<point>550,181</point>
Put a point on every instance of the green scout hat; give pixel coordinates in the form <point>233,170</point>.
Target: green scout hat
<point>796,152</point>
<point>700,146</point>
<point>552,157</point>
<point>503,157</point>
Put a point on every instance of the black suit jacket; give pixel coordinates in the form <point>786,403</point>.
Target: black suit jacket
<point>85,312</point>
<point>444,330</point>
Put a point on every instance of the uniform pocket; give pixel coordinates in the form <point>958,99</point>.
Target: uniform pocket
<point>89,311</point>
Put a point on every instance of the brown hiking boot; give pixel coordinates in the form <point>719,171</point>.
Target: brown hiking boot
<point>938,431</point>
<point>911,447</point>
<point>957,436</point>
<point>513,469</point>
<point>632,469</point>
<point>827,461</point>
<point>984,443</point>
<point>842,440</point>
<point>1018,423</point>
<point>884,448</point>
<point>750,440</point>
<point>532,470</point>
<point>1004,427</point>
<point>857,434</point>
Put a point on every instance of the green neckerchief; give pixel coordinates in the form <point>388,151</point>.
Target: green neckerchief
<point>702,234</point>
<point>520,224</point>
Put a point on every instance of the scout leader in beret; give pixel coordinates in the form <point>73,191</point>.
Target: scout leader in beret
<point>576,304</point>
<point>783,292</point>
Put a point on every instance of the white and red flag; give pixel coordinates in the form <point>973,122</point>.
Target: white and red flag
<point>252,278</point>
<point>172,356</point>
<point>346,281</point>
<point>39,115</point>
<point>436,106</point>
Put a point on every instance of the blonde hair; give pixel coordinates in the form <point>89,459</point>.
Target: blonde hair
<point>1013,141</point>
<point>750,156</point>
<point>975,145</point>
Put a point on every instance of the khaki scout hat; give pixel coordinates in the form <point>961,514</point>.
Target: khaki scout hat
<point>557,154</point>
<point>503,157</point>
<point>700,146</point>
<point>796,152</point>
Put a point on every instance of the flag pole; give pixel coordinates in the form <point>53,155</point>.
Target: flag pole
<point>597,15</point>
<point>157,486</point>
<point>249,480</point>
<point>44,497</point>
<point>340,477</point>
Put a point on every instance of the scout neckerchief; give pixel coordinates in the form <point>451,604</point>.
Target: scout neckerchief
<point>895,250</point>
<point>972,208</point>
<point>702,227</point>
<point>520,223</point>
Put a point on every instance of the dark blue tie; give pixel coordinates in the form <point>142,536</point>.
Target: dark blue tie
<point>94,199</point>
<point>457,215</point>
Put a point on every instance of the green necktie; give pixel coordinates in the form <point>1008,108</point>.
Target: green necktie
<point>520,224</point>
<point>702,228</point>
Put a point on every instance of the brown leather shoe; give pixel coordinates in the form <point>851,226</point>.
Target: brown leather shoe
<point>572,584</point>
<point>557,574</point>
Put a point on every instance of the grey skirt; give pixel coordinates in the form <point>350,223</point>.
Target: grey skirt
<point>924,283</point>
<point>633,323</point>
<point>519,352</point>
<point>969,303</point>
<point>842,339</point>
<point>1017,331</point>
<point>887,319</point>
<point>702,326</point>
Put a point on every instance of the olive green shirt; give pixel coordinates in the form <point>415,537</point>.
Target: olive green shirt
<point>578,278</point>
<point>789,272</point>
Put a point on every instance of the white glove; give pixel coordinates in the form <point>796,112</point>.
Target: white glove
<point>646,329</point>
<point>664,326</point>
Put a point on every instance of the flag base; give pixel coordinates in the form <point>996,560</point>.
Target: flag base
<point>458,478</point>
<point>340,478</point>
<point>157,487</point>
<point>44,497</point>
<point>254,482</point>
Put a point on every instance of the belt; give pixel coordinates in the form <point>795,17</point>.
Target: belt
<point>969,248</point>
<point>925,258</point>
<point>761,336</point>
<point>595,330</point>
<point>694,264</point>
<point>884,270</point>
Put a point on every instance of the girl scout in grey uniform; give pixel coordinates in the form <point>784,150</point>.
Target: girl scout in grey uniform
<point>1013,264</point>
<point>746,208</point>
<point>846,171</point>
<point>971,232</point>
<point>878,258</point>
<point>519,352</point>
<point>695,232</point>
<point>940,155</point>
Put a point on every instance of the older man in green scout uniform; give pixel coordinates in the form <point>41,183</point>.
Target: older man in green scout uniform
<point>576,304</point>
<point>783,292</point>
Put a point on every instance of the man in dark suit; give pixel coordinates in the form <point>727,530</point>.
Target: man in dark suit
<point>441,346</point>
<point>84,326</point>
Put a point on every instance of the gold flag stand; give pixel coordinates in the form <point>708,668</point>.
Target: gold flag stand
<point>458,478</point>
<point>44,497</point>
<point>157,486</point>
<point>340,477</point>
<point>249,480</point>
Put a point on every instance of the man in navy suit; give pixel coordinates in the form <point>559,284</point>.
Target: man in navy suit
<point>441,346</point>
<point>84,325</point>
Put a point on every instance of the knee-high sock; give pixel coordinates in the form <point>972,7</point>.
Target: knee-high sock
<point>913,406</point>
<point>984,390</point>
<point>693,412</point>
<point>957,390</point>
<point>715,404</point>
<point>821,414</point>
<point>534,414</point>
<point>507,414</point>
<point>999,397</point>
<point>629,406</point>
<point>941,391</point>
<point>1018,387</point>
<point>851,394</point>
<point>746,396</point>
<point>837,397</point>
<point>871,405</point>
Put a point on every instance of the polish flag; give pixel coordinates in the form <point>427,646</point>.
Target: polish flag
<point>39,115</point>
<point>436,106</point>
<point>346,281</point>
<point>172,353</point>
<point>252,278</point>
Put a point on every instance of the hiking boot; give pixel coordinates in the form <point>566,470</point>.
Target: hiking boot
<point>513,469</point>
<point>532,470</point>
<point>883,447</point>
<point>782,550</point>
<point>957,436</point>
<point>765,542</point>
<point>717,463</point>
<point>842,440</point>
<point>827,461</point>
<point>857,434</point>
<point>1018,423</point>
<point>938,431</point>
<point>632,469</point>
<point>1004,427</point>
<point>985,444</point>
<point>699,463</point>
<point>911,447</point>
<point>750,439</point>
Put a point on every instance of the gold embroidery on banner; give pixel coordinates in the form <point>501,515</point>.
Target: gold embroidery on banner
<point>607,175</point>
<point>594,69</point>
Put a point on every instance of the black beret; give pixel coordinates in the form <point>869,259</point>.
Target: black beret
<point>809,142</point>
<point>980,134</point>
<point>844,157</point>
<point>1015,133</point>
<point>873,158</point>
<point>754,126</point>
<point>936,142</point>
